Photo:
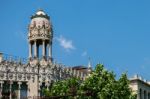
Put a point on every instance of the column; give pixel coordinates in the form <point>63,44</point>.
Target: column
<point>10,87</point>
<point>28,90</point>
<point>50,49</point>
<point>138,94</point>
<point>30,50</point>
<point>35,49</point>
<point>39,88</point>
<point>43,48</point>
<point>19,88</point>
<point>1,89</point>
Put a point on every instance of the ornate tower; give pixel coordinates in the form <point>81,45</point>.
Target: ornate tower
<point>40,35</point>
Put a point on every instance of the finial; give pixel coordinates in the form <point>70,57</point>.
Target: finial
<point>40,12</point>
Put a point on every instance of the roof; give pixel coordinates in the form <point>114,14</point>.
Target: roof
<point>40,13</point>
<point>139,80</point>
<point>79,67</point>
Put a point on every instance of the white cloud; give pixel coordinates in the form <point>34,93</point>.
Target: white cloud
<point>65,43</point>
<point>84,53</point>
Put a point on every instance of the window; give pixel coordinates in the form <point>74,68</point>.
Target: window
<point>144,94</point>
<point>140,93</point>
<point>148,95</point>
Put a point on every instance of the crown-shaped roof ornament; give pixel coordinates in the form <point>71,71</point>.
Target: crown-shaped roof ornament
<point>40,13</point>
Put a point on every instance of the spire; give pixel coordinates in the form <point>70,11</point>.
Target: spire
<point>89,67</point>
<point>89,64</point>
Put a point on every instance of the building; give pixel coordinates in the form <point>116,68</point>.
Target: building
<point>26,78</point>
<point>140,87</point>
<point>21,78</point>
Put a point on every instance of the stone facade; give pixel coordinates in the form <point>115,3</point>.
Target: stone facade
<point>26,78</point>
<point>140,87</point>
<point>21,78</point>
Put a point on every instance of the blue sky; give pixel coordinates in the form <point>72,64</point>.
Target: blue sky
<point>113,32</point>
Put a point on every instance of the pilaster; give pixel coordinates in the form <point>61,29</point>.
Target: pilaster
<point>10,90</point>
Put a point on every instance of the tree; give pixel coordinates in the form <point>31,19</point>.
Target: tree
<point>67,87</point>
<point>123,88</point>
<point>101,84</point>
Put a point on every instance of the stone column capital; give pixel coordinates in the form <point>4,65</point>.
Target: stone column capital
<point>19,83</point>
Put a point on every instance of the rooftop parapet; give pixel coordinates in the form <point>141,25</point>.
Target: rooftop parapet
<point>11,58</point>
<point>139,78</point>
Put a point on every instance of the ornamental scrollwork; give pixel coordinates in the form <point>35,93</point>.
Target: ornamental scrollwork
<point>34,69</point>
<point>2,75</point>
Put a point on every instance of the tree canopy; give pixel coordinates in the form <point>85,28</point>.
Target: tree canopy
<point>100,84</point>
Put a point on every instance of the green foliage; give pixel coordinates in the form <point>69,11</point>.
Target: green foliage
<point>101,84</point>
<point>59,88</point>
<point>63,87</point>
<point>46,92</point>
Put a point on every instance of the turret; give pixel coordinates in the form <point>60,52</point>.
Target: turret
<point>40,35</point>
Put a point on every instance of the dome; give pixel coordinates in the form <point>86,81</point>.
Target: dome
<point>40,13</point>
<point>40,27</point>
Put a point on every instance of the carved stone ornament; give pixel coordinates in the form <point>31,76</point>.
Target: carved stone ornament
<point>28,76</point>
<point>34,62</point>
<point>43,63</point>
<point>19,76</point>
<point>2,75</point>
<point>11,76</point>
